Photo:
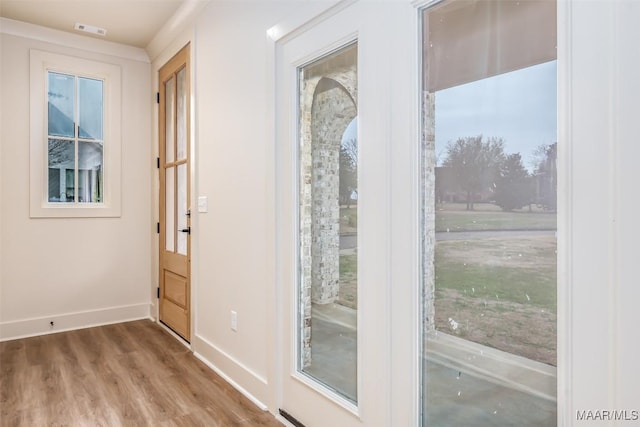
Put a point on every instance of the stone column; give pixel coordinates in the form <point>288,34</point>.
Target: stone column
<point>307,91</point>
<point>332,110</point>
<point>428,209</point>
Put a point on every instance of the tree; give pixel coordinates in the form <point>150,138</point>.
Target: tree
<point>513,186</point>
<point>61,152</point>
<point>474,163</point>
<point>547,176</point>
<point>351,149</point>
<point>348,176</point>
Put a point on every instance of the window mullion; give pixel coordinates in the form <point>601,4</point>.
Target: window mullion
<point>76,134</point>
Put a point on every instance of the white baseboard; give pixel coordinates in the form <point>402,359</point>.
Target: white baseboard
<point>71,321</point>
<point>153,311</point>
<point>232,370</point>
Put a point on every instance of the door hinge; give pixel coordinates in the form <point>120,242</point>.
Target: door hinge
<point>158,293</point>
<point>158,97</point>
<point>158,162</point>
<point>158,227</point>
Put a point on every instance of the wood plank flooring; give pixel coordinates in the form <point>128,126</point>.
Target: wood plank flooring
<point>127,374</point>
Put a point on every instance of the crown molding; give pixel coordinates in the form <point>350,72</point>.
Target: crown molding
<point>175,26</point>
<point>62,38</point>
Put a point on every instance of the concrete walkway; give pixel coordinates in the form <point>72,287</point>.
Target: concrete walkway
<point>466,384</point>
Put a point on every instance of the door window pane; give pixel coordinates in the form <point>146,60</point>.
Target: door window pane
<point>182,208</point>
<point>489,213</point>
<point>169,121</point>
<point>170,210</point>
<point>61,105</point>
<point>328,159</point>
<point>90,108</point>
<point>182,115</point>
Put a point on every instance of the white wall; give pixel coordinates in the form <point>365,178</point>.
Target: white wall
<point>626,316</point>
<point>1,175</point>
<point>598,156</point>
<point>235,148</point>
<point>75,272</point>
<point>232,244</point>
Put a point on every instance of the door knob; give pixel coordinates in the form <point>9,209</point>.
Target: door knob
<point>186,230</point>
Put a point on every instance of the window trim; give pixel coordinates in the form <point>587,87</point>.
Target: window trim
<point>41,63</point>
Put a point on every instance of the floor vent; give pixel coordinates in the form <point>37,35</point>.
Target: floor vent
<point>290,418</point>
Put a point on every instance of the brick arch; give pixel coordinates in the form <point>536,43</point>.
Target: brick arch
<point>332,111</point>
<point>328,105</point>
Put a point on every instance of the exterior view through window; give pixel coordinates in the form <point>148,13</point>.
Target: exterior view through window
<point>328,220</point>
<point>489,213</point>
<point>75,138</point>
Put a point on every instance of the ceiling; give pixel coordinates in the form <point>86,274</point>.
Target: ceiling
<point>130,22</point>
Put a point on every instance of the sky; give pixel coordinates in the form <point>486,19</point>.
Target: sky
<point>351,132</point>
<point>519,107</point>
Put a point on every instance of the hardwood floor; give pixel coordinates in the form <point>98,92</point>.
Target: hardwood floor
<point>127,374</point>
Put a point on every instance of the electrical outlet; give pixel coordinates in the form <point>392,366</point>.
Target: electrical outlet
<point>234,321</point>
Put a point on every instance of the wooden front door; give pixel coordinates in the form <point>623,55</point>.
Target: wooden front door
<point>175,203</point>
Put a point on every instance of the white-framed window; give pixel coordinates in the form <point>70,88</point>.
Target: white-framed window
<point>489,207</point>
<point>75,137</point>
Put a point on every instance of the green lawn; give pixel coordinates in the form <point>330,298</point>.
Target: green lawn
<point>348,291</point>
<point>348,265</point>
<point>349,216</point>
<point>537,288</point>
<point>520,270</point>
<point>485,216</point>
<point>501,292</point>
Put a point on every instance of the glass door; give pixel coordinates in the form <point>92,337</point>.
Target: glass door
<point>175,214</point>
<point>331,219</point>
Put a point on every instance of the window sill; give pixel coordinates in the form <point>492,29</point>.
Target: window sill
<point>79,210</point>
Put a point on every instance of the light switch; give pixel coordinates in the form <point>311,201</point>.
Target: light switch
<point>234,320</point>
<point>203,204</point>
